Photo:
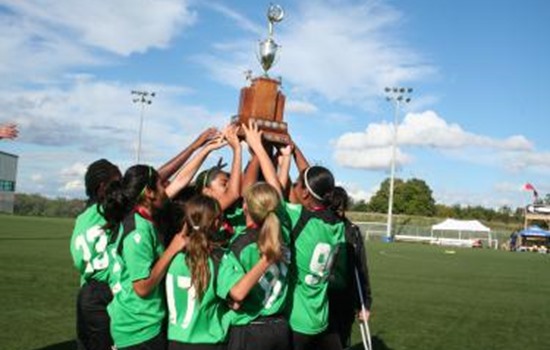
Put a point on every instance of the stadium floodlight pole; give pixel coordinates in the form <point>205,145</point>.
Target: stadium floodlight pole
<point>143,98</point>
<point>397,96</point>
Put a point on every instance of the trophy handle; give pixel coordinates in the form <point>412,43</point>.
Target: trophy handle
<point>277,56</point>
<point>257,53</point>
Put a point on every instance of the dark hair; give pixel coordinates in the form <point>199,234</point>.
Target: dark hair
<point>121,196</point>
<point>100,172</point>
<point>205,178</point>
<point>319,182</point>
<point>340,200</point>
<point>200,217</point>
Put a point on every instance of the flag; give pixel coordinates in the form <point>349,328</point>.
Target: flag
<point>529,187</point>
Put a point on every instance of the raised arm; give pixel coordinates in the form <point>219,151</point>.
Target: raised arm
<point>254,140</point>
<point>285,154</point>
<point>167,170</point>
<point>301,161</point>
<point>184,177</point>
<point>251,172</point>
<point>234,185</point>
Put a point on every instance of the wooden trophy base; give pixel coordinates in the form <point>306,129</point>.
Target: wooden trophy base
<point>264,103</point>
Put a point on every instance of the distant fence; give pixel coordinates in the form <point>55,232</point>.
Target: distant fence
<point>377,230</point>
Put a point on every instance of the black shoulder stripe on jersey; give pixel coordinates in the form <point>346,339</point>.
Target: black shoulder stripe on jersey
<point>216,255</point>
<point>128,225</point>
<point>243,240</point>
<point>305,215</point>
<point>327,216</point>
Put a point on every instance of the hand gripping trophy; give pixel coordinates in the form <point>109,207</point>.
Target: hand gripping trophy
<point>262,101</point>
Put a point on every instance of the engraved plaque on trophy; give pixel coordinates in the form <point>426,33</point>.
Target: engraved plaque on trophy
<point>262,101</point>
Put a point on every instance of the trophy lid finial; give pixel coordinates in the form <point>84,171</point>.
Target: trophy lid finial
<point>275,14</point>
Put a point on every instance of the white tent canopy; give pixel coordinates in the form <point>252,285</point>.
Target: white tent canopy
<point>461,225</point>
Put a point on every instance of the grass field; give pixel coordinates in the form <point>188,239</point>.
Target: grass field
<point>424,298</point>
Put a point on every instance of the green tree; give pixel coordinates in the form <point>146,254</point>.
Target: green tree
<point>358,206</point>
<point>412,197</point>
<point>416,198</point>
<point>36,205</point>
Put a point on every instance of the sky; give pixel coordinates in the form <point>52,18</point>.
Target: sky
<point>475,130</point>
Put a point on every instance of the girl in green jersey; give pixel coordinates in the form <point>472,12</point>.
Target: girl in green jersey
<point>316,239</point>
<point>225,187</point>
<point>216,183</point>
<point>138,308</point>
<point>89,249</point>
<point>201,279</point>
<point>259,321</point>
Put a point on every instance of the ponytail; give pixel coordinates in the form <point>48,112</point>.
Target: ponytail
<point>262,201</point>
<point>122,195</point>
<point>114,206</point>
<point>201,214</point>
<point>269,239</point>
<point>198,250</point>
<point>339,201</point>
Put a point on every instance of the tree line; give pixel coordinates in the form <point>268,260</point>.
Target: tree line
<point>37,205</point>
<point>414,197</point>
<point>411,197</point>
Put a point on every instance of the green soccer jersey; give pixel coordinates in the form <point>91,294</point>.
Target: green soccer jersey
<point>89,246</point>
<point>269,296</point>
<point>234,216</point>
<point>192,320</point>
<point>134,319</point>
<point>317,237</point>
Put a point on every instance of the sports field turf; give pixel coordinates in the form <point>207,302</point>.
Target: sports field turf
<point>424,297</point>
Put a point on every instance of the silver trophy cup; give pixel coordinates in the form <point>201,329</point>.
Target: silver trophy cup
<point>268,48</point>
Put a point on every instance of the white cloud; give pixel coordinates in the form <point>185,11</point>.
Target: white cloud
<point>356,192</point>
<point>371,149</point>
<point>373,159</point>
<point>508,187</point>
<point>428,129</point>
<point>98,115</point>
<point>87,119</point>
<point>452,196</point>
<point>122,27</point>
<point>241,20</point>
<point>41,39</point>
<point>37,177</point>
<point>30,52</point>
<point>345,53</point>
<point>537,161</point>
<point>300,107</point>
<point>76,170</point>
<point>73,186</point>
